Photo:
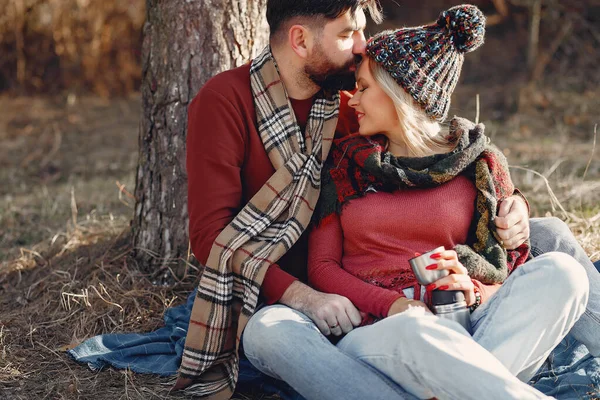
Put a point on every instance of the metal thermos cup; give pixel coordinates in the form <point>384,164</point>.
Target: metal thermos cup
<point>451,304</point>
<point>448,304</point>
<point>425,276</point>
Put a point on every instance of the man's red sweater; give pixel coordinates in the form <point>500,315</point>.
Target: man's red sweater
<point>227,164</point>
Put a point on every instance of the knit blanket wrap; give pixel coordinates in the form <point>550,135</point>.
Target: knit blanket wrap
<point>360,164</point>
<point>260,233</point>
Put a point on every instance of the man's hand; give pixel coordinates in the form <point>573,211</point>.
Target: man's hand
<point>333,314</point>
<point>512,222</point>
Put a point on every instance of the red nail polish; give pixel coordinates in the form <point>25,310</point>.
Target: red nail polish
<point>432,266</point>
<point>445,287</point>
<point>431,286</point>
<point>435,256</point>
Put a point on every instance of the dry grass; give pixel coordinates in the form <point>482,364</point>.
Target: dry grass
<point>66,165</point>
<point>51,304</point>
<point>80,281</point>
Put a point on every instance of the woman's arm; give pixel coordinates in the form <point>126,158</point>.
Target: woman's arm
<point>486,291</point>
<point>325,271</point>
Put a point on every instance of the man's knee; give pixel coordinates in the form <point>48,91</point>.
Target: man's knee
<point>550,234</point>
<point>564,277</point>
<point>550,225</point>
<point>274,328</point>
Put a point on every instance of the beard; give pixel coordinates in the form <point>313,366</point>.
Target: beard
<point>329,76</point>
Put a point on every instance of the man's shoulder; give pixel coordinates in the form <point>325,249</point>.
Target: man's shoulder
<point>234,78</point>
<point>224,105</point>
<point>232,85</point>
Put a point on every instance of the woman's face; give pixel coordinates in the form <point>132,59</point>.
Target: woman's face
<point>375,110</point>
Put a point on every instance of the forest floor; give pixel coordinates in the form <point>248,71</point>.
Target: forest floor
<point>67,171</point>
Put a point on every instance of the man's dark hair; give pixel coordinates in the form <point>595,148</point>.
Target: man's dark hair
<point>281,11</point>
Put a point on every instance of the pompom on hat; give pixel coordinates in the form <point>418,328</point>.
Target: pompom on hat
<point>426,60</point>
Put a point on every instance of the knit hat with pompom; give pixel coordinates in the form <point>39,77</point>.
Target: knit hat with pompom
<point>426,60</point>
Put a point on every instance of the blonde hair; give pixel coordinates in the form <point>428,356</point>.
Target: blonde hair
<point>421,135</point>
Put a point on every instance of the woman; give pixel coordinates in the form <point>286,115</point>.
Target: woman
<point>402,186</point>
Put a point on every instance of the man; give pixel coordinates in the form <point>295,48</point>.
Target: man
<point>232,148</point>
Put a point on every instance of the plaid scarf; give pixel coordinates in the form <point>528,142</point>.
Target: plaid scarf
<point>260,233</point>
<point>359,164</point>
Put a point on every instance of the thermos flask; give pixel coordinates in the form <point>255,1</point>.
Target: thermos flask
<point>449,304</point>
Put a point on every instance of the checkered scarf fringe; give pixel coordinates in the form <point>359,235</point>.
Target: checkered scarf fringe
<point>260,233</point>
<point>358,165</point>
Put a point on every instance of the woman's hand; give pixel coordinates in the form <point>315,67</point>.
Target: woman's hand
<point>402,304</point>
<point>458,279</point>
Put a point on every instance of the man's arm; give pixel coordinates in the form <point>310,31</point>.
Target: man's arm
<point>214,157</point>
<point>215,154</point>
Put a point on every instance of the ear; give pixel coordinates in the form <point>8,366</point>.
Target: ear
<point>300,40</point>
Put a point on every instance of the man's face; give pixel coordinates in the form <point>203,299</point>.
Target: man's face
<point>332,61</point>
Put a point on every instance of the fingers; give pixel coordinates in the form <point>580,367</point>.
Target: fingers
<point>322,325</point>
<point>456,282</point>
<point>505,207</point>
<point>507,234</point>
<point>350,317</point>
<point>448,260</point>
<point>515,241</point>
<point>335,315</point>
<point>512,223</point>
<point>335,328</point>
<point>512,211</point>
<point>469,297</point>
<point>353,314</point>
<point>452,282</point>
<point>459,279</point>
<point>515,236</point>
<point>508,221</point>
<point>344,324</point>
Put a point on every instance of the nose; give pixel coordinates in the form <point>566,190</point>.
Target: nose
<point>353,102</point>
<point>360,43</point>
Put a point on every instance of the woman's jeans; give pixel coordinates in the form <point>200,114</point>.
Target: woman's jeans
<point>287,345</point>
<point>513,333</point>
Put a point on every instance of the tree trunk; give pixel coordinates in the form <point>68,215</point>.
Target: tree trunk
<point>185,43</point>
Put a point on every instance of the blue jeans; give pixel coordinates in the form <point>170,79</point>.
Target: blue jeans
<point>513,333</point>
<point>285,344</point>
<point>294,350</point>
<point>552,234</point>
<point>414,351</point>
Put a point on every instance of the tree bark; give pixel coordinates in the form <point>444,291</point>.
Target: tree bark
<point>184,44</point>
